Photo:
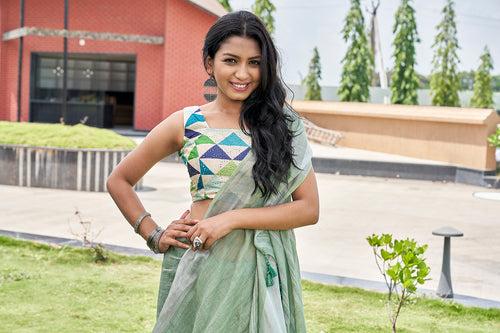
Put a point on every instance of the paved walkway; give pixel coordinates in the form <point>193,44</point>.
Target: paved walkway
<point>352,207</point>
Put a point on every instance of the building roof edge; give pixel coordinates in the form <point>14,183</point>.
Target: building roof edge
<point>212,6</point>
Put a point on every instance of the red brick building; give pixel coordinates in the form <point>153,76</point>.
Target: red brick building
<point>131,62</point>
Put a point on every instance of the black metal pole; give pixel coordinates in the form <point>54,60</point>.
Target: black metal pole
<point>65,64</point>
<point>20,61</point>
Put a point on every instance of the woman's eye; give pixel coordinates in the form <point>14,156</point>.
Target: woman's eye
<point>256,62</point>
<point>229,60</point>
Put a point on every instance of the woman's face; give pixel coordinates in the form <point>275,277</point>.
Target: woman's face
<point>236,67</point>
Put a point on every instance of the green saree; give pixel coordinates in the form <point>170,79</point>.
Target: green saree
<point>249,280</point>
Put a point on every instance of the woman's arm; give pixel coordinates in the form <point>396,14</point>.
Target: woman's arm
<point>163,140</point>
<point>302,211</point>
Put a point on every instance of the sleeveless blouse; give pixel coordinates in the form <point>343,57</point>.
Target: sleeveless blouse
<point>211,155</point>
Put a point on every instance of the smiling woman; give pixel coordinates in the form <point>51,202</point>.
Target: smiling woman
<point>246,77</point>
<point>230,262</point>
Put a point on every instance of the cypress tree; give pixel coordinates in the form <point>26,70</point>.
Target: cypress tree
<point>444,78</point>
<point>313,89</point>
<point>358,60</point>
<point>226,5</point>
<point>264,9</point>
<point>404,79</point>
<point>483,92</point>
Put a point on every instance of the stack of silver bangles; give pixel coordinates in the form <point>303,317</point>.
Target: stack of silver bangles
<point>153,240</point>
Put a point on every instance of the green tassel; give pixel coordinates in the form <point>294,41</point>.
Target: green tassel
<point>270,274</point>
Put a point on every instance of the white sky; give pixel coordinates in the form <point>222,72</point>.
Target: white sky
<point>301,25</point>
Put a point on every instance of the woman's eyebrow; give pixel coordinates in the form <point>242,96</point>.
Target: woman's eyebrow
<point>233,55</point>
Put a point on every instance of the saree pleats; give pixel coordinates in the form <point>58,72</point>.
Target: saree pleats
<point>249,280</point>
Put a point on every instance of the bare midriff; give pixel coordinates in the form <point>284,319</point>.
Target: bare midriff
<point>199,208</point>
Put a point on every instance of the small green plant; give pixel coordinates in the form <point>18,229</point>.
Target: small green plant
<point>101,254</point>
<point>402,266</point>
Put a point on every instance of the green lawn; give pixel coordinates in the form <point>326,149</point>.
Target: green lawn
<point>52,289</point>
<point>66,136</point>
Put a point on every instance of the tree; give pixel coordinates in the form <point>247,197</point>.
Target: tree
<point>313,89</point>
<point>444,77</point>
<point>265,9</point>
<point>402,264</point>
<point>358,60</point>
<point>404,80</point>
<point>226,5</point>
<point>483,92</point>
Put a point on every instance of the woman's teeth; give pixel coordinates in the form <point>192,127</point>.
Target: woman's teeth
<point>239,86</point>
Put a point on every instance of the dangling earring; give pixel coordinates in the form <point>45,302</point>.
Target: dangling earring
<point>210,89</point>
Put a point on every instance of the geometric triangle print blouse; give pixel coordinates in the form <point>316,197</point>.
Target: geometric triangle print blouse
<point>211,155</point>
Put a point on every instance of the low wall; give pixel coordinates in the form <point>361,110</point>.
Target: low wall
<point>69,169</point>
<point>454,135</point>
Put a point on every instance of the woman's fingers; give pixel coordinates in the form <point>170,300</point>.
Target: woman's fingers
<point>182,227</point>
<point>198,234</point>
<point>173,234</point>
<point>208,244</point>
<point>175,242</point>
<point>191,232</point>
<point>178,233</point>
<point>189,221</point>
<point>185,214</point>
<point>185,221</point>
<point>170,239</point>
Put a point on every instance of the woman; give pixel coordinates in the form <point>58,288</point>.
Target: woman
<point>230,263</point>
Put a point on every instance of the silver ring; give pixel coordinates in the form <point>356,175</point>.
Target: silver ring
<point>197,243</point>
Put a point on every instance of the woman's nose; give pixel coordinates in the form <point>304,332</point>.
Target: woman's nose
<point>242,72</point>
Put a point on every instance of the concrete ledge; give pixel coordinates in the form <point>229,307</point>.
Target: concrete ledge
<point>61,168</point>
<point>432,172</point>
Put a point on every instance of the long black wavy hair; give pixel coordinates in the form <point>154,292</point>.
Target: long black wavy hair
<point>263,110</point>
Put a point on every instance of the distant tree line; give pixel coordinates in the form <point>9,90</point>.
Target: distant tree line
<point>358,62</point>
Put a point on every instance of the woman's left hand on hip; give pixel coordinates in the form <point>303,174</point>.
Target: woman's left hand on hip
<point>209,230</point>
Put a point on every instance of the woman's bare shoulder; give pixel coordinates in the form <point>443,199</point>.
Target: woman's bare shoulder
<point>172,127</point>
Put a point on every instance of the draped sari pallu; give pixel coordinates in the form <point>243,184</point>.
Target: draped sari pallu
<point>249,280</point>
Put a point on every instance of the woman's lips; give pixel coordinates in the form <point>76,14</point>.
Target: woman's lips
<point>239,87</point>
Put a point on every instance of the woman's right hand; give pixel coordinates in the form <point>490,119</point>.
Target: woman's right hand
<point>176,229</point>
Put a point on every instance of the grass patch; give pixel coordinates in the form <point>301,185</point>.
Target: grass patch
<point>47,288</point>
<point>65,136</point>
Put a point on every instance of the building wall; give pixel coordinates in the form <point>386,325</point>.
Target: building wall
<point>168,76</point>
<point>185,32</point>
<point>8,62</point>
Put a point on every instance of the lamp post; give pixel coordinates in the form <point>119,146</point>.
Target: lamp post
<point>65,65</point>
<point>445,289</point>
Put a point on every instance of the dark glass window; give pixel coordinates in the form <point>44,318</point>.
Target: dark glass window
<point>87,80</point>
